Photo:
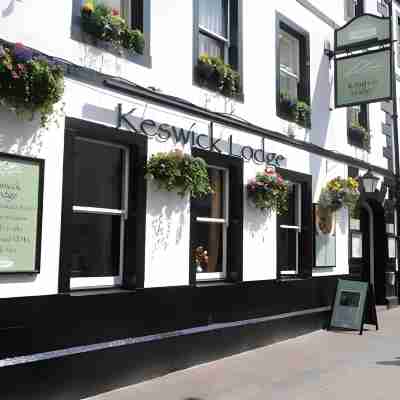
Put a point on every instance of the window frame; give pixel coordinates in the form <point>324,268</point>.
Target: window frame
<point>225,225</point>
<point>234,41</point>
<point>305,233</point>
<point>132,274</point>
<point>234,217</point>
<point>115,280</point>
<point>303,36</point>
<point>144,59</point>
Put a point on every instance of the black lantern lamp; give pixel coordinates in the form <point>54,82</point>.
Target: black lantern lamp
<point>368,186</point>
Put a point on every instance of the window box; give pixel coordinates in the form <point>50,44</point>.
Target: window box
<point>123,31</point>
<point>106,24</point>
<point>295,111</point>
<point>360,137</point>
<point>213,73</point>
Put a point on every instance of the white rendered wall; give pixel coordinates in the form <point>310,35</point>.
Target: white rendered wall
<point>46,26</point>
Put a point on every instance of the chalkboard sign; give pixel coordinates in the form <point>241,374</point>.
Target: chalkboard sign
<point>354,305</point>
<point>21,187</point>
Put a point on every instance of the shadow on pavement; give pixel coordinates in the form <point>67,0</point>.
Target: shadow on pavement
<point>394,363</point>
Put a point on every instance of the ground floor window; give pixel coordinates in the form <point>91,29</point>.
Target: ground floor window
<point>103,203</point>
<point>294,228</point>
<point>217,221</point>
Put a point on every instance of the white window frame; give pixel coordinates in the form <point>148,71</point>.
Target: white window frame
<point>295,56</point>
<point>107,281</point>
<point>296,228</point>
<point>223,41</point>
<point>206,276</point>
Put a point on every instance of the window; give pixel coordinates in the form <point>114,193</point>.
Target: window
<point>358,134</point>
<point>294,228</point>
<point>293,76</point>
<point>210,227</point>
<point>99,212</point>
<point>289,228</point>
<point>353,8</point>
<point>217,31</point>
<point>103,208</point>
<point>217,221</point>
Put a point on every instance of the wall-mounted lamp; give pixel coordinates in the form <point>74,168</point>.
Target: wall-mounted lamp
<point>368,187</point>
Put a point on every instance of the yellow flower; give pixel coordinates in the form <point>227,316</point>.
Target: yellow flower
<point>88,7</point>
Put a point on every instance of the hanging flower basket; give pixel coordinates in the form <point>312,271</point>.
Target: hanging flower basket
<point>269,191</point>
<point>105,23</point>
<point>176,171</point>
<point>338,193</point>
<point>29,84</point>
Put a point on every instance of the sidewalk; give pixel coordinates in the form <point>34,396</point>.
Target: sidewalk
<point>322,365</point>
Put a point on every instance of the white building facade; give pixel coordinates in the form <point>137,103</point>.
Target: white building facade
<point>118,266</point>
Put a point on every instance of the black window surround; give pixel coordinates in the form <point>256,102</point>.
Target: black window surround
<point>234,260</point>
<point>356,133</point>
<point>140,19</point>
<point>303,87</point>
<point>305,244</point>
<point>134,243</point>
<point>234,50</point>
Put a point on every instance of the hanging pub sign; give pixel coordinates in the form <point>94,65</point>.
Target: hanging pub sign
<point>363,78</point>
<point>361,32</point>
<point>21,193</point>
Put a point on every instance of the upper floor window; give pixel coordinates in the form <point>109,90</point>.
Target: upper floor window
<point>353,8</point>
<point>217,34</point>
<point>358,133</point>
<point>293,91</point>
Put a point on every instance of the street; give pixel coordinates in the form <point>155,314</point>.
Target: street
<point>321,365</point>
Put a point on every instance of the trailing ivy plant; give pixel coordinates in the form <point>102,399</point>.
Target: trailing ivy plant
<point>176,171</point>
<point>29,83</point>
<point>105,23</point>
<point>217,75</point>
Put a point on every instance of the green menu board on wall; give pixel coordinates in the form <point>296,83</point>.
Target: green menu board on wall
<point>21,184</point>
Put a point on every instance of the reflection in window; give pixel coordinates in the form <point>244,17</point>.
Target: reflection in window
<point>209,229</point>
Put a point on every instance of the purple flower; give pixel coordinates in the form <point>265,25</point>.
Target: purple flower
<point>22,53</point>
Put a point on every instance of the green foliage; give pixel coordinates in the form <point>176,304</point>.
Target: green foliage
<point>218,75</point>
<point>296,110</point>
<point>268,191</point>
<point>29,83</point>
<point>176,171</point>
<point>365,133</point>
<point>338,193</point>
<point>106,24</point>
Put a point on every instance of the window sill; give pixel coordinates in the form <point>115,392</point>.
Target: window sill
<point>98,292</point>
<point>201,284</point>
<point>238,98</point>
<point>80,36</point>
<point>288,118</point>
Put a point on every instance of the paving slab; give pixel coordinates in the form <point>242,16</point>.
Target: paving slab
<point>321,365</point>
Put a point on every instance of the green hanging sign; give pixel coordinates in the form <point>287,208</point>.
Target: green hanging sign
<point>363,78</point>
<point>364,31</point>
